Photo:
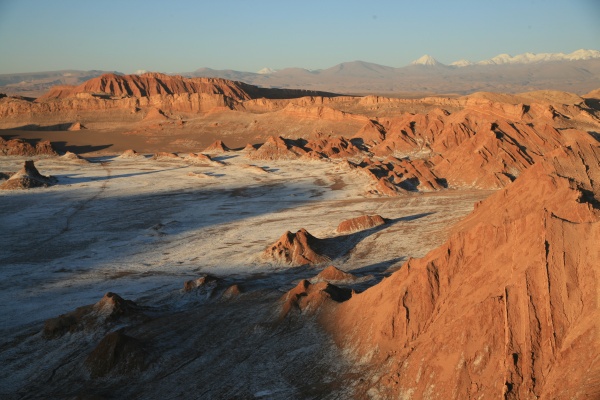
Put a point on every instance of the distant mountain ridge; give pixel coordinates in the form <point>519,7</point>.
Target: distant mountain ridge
<point>577,72</point>
<point>500,59</point>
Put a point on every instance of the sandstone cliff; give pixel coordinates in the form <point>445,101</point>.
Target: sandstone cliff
<point>506,308</point>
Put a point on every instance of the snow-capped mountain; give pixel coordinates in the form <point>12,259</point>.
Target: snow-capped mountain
<point>461,63</point>
<point>266,71</point>
<point>426,60</point>
<point>528,58</point>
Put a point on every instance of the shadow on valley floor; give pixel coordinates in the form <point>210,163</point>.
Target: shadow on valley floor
<point>338,246</point>
<point>60,146</point>
<point>63,147</point>
<point>38,127</point>
<point>225,157</point>
<point>69,179</point>
<point>56,224</point>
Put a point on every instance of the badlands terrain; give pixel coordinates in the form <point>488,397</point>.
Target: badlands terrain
<point>170,237</point>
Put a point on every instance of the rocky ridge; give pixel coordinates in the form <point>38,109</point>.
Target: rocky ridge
<point>511,293</point>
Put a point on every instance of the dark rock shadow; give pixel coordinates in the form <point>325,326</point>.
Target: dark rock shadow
<point>38,127</point>
<point>63,147</point>
<point>224,157</point>
<point>339,246</point>
<point>74,178</point>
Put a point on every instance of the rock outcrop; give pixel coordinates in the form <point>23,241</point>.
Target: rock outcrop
<point>217,147</point>
<point>308,298</point>
<point>18,147</point>
<point>232,292</point>
<point>155,114</point>
<point>506,308</point>
<point>296,249</point>
<point>111,308</point>
<point>278,148</point>
<point>165,156</point>
<point>69,156</point>
<point>116,354</point>
<point>360,223</point>
<point>255,169</point>
<point>27,177</point>
<point>332,147</point>
<point>206,281</point>
<point>332,274</point>
<point>203,159</point>
<point>76,126</point>
<point>131,154</point>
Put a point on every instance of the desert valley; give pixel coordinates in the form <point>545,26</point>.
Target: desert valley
<point>198,237</point>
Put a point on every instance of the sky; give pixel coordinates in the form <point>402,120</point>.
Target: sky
<point>182,36</point>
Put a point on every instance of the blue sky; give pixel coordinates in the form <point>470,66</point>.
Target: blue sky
<point>181,36</point>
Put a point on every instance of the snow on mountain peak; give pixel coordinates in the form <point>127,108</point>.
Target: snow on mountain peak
<point>266,71</point>
<point>461,63</point>
<point>425,60</point>
<point>528,58</point>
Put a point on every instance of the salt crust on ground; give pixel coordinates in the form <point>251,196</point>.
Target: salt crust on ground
<point>137,227</point>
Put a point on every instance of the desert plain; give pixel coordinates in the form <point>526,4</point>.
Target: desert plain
<point>205,238</point>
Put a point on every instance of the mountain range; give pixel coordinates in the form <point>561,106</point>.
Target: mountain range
<point>577,72</point>
<point>526,58</point>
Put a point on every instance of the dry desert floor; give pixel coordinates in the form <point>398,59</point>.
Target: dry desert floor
<point>141,228</point>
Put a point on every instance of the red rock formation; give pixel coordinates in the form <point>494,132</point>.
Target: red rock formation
<point>165,156</point>
<point>18,147</point>
<point>332,147</point>
<point>506,308</point>
<point>148,84</point>
<point>393,177</point>
<point>372,133</point>
<point>308,298</point>
<point>26,178</point>
<point>296,249</point>
<point>321,112</point>
<point>77,126</point>
<point>414,175</point>
<point>278,148</point>
<point>203,159</point>
<point>360,223</point>
<point>217,147</point>
<point>497,154</point>
<point>249,148</point>
<point>155,114</point>
<point>152,84</point>
<point>332,274</point>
